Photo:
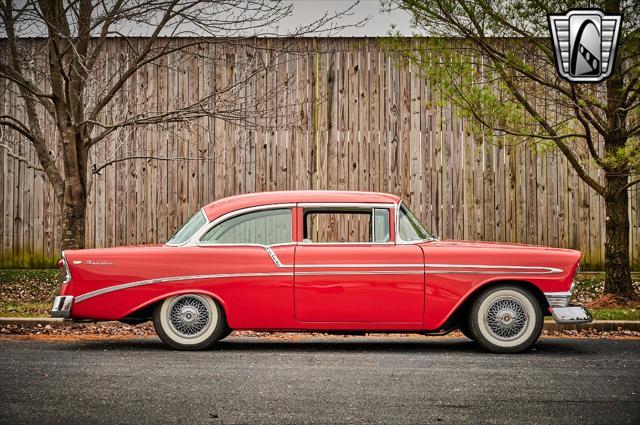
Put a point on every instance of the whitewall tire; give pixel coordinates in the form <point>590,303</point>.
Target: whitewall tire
<point>189,321</point>
<point>506,319</point>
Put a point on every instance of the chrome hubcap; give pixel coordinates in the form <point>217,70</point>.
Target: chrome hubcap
<point>189,316</point>
<point>506,319</point>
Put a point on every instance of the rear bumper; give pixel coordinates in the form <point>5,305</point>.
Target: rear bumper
<point>566,315</point>
<point>62,307</point>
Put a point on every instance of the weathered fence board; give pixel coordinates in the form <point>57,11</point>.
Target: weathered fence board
<point>335,114</point>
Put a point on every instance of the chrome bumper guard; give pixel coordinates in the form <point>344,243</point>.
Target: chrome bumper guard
<point>62,307</point>
<point>574,315</point>
<point>561,311</point>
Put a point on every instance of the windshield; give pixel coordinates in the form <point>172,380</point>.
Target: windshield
<point>190,227</point>
<point>409,228</point>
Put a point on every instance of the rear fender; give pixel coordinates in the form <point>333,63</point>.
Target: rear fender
<point>164,296</point>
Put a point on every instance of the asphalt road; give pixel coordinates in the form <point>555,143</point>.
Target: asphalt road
<point>334,380</point>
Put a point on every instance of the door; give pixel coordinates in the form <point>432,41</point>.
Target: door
<point>361,276</point>
<point>239,252</point>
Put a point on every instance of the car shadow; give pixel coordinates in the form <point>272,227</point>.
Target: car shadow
<point>331,344</point>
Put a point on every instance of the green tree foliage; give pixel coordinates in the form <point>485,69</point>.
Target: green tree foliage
<point>493,60</point>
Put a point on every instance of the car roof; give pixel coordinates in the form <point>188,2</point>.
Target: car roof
<point>233,203</point>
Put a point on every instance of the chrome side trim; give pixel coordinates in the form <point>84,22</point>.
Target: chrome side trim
<point>481,269</point>
<point>359,272</point>
<point>279,263</point>
<point>275,258</point>
<point>528,269</point>
<point>348,266</point>
<point>106,290</point>
<point>558,299</point>
<point>109,289</point>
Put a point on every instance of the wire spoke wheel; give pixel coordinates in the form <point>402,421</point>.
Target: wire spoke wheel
<point>189,316</point>
<point>506,318</point>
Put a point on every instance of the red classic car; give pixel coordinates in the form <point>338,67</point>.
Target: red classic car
<point>326,261</point>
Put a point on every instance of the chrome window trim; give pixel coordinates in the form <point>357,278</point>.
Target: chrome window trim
<point>196,239</point>
<point>259,245</point>
<point>344,243</point>
<point>399,240</point>
<point>319,206</point>
<point>346,205</point>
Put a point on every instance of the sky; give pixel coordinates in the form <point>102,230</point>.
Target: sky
<point>378,25</point>
<point>305,12</point>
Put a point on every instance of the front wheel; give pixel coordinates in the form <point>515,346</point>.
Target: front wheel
<point>189,321</point>
<point>506,319</point>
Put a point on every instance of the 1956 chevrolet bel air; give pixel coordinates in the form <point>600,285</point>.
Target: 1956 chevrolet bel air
<point>326,261</point>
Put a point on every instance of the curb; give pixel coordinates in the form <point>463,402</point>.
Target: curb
<point>34,322</point>
<point>596,325</point>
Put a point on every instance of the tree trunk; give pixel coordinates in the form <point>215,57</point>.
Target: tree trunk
<point>73,217</point>
<point>618,272</point>
<point>74,205</point>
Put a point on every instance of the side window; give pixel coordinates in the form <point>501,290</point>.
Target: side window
<point>266,227</point>
<point>381,225</point>
<point>409,228</point>
<point>346,225</point>
<point>188,229</point>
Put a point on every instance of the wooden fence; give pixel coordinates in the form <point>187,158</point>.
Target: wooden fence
<point>359,121</point>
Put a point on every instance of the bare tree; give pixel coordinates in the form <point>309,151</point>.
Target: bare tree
<point>496,65</point>
<point>73,93</point>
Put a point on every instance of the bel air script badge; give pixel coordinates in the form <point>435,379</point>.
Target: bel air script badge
<point>585,44</point>
<point>98,263</point>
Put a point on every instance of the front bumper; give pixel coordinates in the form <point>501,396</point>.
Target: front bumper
<point>62,306</point>
<point>571,314</point>
<point>562,312</point>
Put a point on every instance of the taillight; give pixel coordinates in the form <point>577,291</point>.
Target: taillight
<point>65,273</point>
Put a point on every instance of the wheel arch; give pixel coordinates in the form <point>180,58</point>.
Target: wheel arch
<point>145,310</point>
<point>461,312</point>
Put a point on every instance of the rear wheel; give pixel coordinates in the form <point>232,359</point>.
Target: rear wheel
<point>467,332</point>
<point>506,319</point>
<point>189,321</point>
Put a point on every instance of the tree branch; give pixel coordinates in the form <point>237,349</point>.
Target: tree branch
<point>20,158</point>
